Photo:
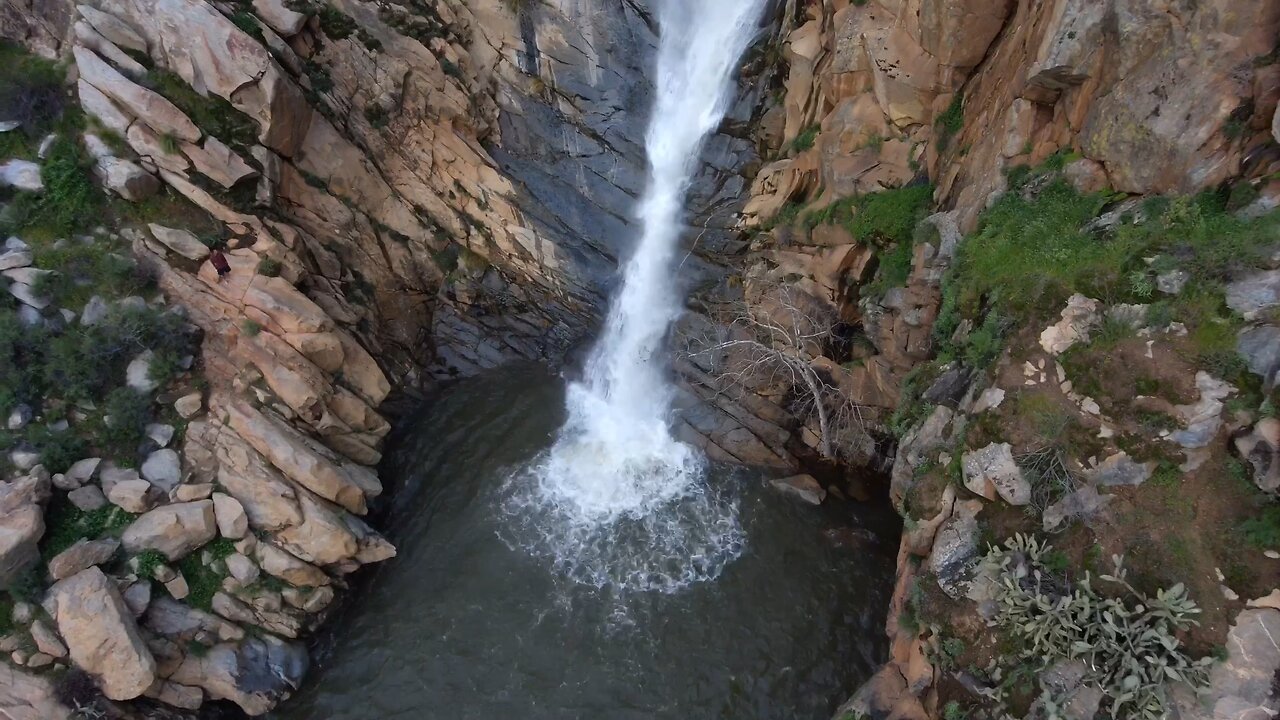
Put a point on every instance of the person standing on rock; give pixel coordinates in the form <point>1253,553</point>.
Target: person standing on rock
<point>219,263</point>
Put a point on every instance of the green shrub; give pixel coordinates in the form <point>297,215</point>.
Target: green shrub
<point>130,411</point>
<point>806,139</point>
<point>248,23</point>
<point>1263,531</point>
<point>65,524</point>
<point>1129,643</point>
<point>148,561</point>
<point>334,23</point>
<point>890,216</point>
<point>70,201</point>
<point>31,93</point>
<point>269,266</point>
<point>58,450</point>
<point>950,121</point>
<point>212,114</point>
<point>202,582</point>
<point>250,327</point>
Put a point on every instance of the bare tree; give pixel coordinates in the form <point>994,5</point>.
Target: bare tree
<point>781,340</point>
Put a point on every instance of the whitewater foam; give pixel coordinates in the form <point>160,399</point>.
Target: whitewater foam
<point>618,501</point>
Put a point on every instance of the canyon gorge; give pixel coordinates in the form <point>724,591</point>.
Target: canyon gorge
<point>640,358</point>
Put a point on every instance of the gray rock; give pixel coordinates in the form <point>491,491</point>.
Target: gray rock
<point>1260,348</point>
<point>1172,282</point>
<point>10,259</point>
<point>47,640</point>
<point>1242,686</point>
<point>88,498</point>
<point>20,530</point>
<point>163,468</point>
<point>803,487</point>
<point>138,597</point>
<point>181,242</point>
<point>94,312</point>
<point>188,405</point>
<point>81,556</point>
<point>1254,293</point>
<point>29,316</point>
<point>1082,504</point>
<point>26,295</point>
<point>24,459</point>
<point>955,549</point>
<point>82,471</point>
<point>255,674</point>
<point>138,374</point>
<point>1260,447</point>
<point>20,417</point>
<point>160,434</point>
<point>1120,469</point>
<point>109,474</point>
<point>949,387</point>
<point>992,470</point>
<point>21,174</point>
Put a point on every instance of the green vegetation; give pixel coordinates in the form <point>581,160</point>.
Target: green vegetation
<point>203,581</point>
<point>377,115</point>
<point>805,139</point>
<point>148,561</point>
<point>32,93</point>
<point>212,114</point>
<point>269,266</point>
<point>950,122</point>
<point>1129,642</point>
<point>66,524</point>
<point>69,201</point>
<point>1263,531</point>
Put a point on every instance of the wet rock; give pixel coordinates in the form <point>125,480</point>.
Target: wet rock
<point>1078,320</point>
<point>255,674</point>
<point>992,470</point>
<point>1260,447</point>
<point>174,530</point>
<point>803,487</point>
<point>101,634</point>
<point>81,556</point>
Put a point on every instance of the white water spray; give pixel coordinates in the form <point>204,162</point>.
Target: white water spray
<point>617,500</point>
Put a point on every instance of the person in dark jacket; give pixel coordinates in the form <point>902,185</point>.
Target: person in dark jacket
<point>219,263</point>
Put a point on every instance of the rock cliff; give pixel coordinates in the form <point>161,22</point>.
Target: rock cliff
<point>410,191</point>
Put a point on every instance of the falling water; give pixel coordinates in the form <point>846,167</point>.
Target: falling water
<point>618,501</point>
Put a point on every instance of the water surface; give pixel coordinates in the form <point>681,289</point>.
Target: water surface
<point>467,624</point>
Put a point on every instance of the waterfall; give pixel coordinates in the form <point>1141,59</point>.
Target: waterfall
<point>617,500</point>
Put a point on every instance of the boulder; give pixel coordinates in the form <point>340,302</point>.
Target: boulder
<point>285,566</point>
<point>955,549</point>
<point>26,295</point>
<point>279,17</point>
<point>242,568</point>
<point>25,696</point>
<point>131,496</point>
<point>255,674</point>
<point>47,640</point>
<point>21,174</point>
<point>126,178</point>
<point>81,556</point>
<point>13,258</point>
<point>101,634</point>
<point>180,241</point>
<point>113,28</point>
<point>138,373</point>
<point>218,162</point>
<point>20,531</point>
<point>1254,293</point>
<point>174,530</point>
<point>87,36</point>
<point>87,498</point>
<point>151,107</point>
<point>1083,504</point>
<point>1242,686</point>
<point>163,468</point>
<point>1260,347</point>
<point>230,515</point>
<point>802,487</point>
<point>30,489</point>
<point>94,312</point>
<point>188,405</point>
<point>160,433</point>
<point>992,470</point>
<point>182,623</point>
<point>82,471</point>
<point>1203,418</point>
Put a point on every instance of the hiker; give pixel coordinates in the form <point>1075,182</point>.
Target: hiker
<point>219,263</point>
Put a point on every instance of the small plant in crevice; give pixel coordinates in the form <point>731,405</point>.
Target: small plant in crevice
<point>805,139</point>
